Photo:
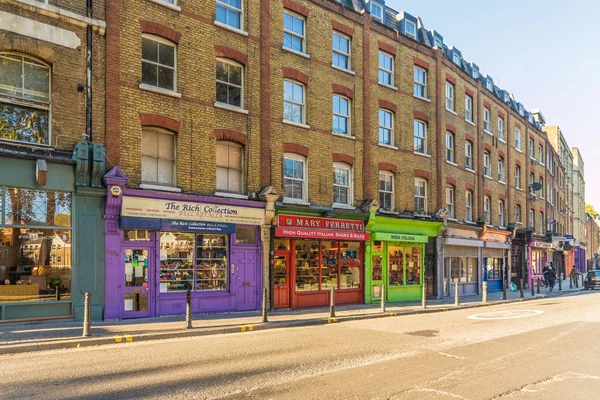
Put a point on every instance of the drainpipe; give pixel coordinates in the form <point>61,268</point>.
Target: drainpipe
<point>88,111</point>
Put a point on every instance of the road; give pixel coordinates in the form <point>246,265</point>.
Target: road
<point>554,354</point>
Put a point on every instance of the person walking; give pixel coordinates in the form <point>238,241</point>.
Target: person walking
<point>551,278</point>
<point>574,275</point>
<point>545,271</point>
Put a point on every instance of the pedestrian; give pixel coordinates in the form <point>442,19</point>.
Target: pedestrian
<point>551,278</point>
<point>574,274</point>
<point>545,271</point>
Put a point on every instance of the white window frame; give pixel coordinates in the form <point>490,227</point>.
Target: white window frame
<point>542,188</point>
<point>487,167</point>
<point>542,223</point>
<point>456,59</point>
<point>387,175</point>
<point>164,41</point>
<point>518,139</point>
<point>408,23</point>
<point>378,7</point>
<point>532,219</point>
<point>531,149</point>
<point>489,85</point>
<point>541,154</point>
<point>420,85</point>
<point>380,126</point>
<point>229,168</point>
<point>302,37</point>
<point>304,161</point>
<point>241,87</point>
<point>531,180</point>
<point>501,214</point>
<point>302,105</point>
<point>518,216</point>
<point>344,166</point>
<point>468,155</point>
<point>417,122</point>
<point>450,201</point>
<point>487,125</point>
<point>158,132</point>
<point>422,181</point>
<point>468,206</point>
<point>487,209</point>
<point>501,172</point>
<point>501,128</point>
<point>468,108</point>
<point>450,154</point>
<point>231,8</point>
<point>346,117</point>
<point>385,70</point>
<point>450,96</point>
<point>340,52</point>
<point>518,176</point>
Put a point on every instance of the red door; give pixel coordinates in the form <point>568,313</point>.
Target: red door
<point>281,280</point>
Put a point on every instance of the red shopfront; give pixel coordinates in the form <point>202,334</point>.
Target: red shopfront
<point>312,255</point>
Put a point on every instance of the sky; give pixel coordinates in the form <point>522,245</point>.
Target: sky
<point>536,49</point>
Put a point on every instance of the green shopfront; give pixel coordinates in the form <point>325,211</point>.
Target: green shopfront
<point>395,257</point>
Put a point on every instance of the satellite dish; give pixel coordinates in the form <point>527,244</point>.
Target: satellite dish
<point>536,186</point>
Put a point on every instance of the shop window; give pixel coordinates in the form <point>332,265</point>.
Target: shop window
<point>35,207</point>
<point>461,269</point>
<point>158,157</point>
<point>493,268</point>
<point>282,244</point>
<point>159,65</point>
<point>245,235</point>
<point>176,261</point>
<point>378,247</point>
<point>24,99</point>
<point>230,83</point>
<point>136,235</point>
<point>321,265</point>
<point>229,167</point>
<point>212,262</point>
<point>404,265</point>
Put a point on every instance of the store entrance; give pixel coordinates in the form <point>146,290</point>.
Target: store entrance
<point>137,293</point>
<point>281,285</point>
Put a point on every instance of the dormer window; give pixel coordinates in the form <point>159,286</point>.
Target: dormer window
<point>377,12</point>
<point>489,85</point>
<point>475,74</point>
<point>438,43</point>
<point>410,29</point>
<point>456,59</point>
<point>521,110</point>
<point>506,98</point>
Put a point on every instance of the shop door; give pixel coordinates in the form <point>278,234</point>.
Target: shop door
<point>245,265</point>
<point>281,285</point>
<point>138,293</point>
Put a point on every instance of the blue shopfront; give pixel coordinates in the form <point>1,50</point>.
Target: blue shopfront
<point>496,246</point>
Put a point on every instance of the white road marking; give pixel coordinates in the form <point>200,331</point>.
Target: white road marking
<point>507,314</point>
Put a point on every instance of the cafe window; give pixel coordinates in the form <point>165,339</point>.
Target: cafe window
<point>195,262</point>
<point>35,245</point>
<point>462,269</point>
<point>321,265</point>
<point>493,268</point>
<point>404,265</point>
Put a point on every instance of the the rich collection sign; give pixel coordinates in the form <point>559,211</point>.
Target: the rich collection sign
<point>294,226</point>
<point>190,211</point>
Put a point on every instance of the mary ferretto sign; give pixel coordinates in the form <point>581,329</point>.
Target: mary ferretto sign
<point>183,210</point>
<point>293,226</point>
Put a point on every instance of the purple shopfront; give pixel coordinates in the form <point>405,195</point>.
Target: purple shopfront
<point>160,245</point>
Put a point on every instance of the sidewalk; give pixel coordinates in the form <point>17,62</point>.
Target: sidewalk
<point>36,336</point>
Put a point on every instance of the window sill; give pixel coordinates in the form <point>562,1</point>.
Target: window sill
<point>352,137</point>
<point>422,98</point>
<point>230,108</point>
<point>502,183</point>
<point>343,70</point>
<point>469,122</point>
<point>519,189</point>
<point>488,177</point>
<point>299,53</point>
<point>452,163</point>
<point>231,28</point>
<point>162,188</point>
<point>387,146</point>
<point>470,170</point>
<point>343,206</point>
<point>488,132</point>
<point>157,90</point>
<point>167,5</point>
<point>519,150</point>
<point>532,159</point>
<point>388,86</point>
<point>451,111</point>
<point>292,123</point>
<point>232,195</point>
<point>421,154</point>
<point>296,201</point>
<point>502,140</point>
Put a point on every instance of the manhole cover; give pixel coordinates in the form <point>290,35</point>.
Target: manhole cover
<point>496,315</point>
<point>426,333</point>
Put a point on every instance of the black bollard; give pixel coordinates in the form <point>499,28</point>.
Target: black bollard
<point>521,288</point>
<point>265,308</point>
<point>570,282</point>
<point>559,282</point>
<point>532,287</point>
<point>57,293</point>
<point>188,310</point>
<point>332,303</point>
<point>538,288</point>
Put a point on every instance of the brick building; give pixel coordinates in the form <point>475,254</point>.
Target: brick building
<point>415,169</point>
<point>581,248</point>
<point>51,157</point>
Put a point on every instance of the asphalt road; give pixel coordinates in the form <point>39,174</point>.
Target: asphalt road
<point>550,355</point>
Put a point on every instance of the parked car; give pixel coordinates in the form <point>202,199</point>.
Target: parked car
<point>592,280</point>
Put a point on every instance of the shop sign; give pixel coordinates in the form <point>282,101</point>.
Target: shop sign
<point>175,225</point>
<point>399,237</point>
<point>541,245</point>
<point>190,211</point>
<point>304,233</point>
<point>320,223</point>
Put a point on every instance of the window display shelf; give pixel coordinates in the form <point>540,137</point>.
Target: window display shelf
<point>176,280</point>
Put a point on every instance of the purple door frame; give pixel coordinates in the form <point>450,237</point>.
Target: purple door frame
<point>246,278</point>
<point>149,289</point>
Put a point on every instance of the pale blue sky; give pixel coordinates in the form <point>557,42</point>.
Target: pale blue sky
<point>543,51</point>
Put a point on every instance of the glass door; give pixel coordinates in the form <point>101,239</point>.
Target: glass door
<point>137,289</point>
<point>281,281</point>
